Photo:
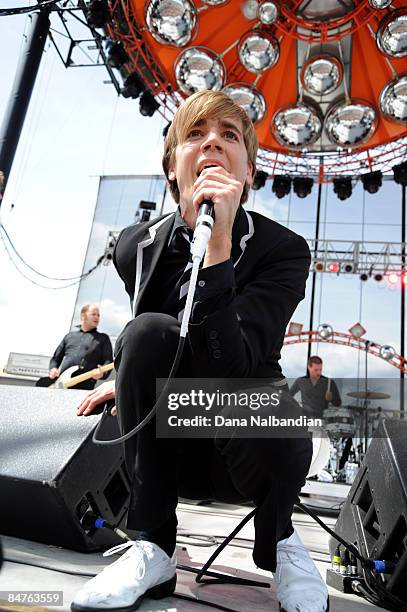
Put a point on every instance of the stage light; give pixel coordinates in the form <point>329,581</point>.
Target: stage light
<point>171,22</point>
<point>281,185</point>
<point>400,174</point>
<point>258,51</point>
<point>303,186</point>
<point>333,266</point>
<point>349,123</point>
<point>378,277</point>
<point>251,100</point>
<point>392,278</point>
<point>259,180</point>
<point>297,125</point>
<point>148,104</point>
<point>319,266</point>
<point>393,99</point>
<point>325,331</point>
<point>116,55</point>
<point>348,268</point>
<point>364,277</point>
<point>98,13</point>
<point>391,35</point>
<point>268,12</point>
<point>321,75</point>
<point>387,352</point>
<point>372,181</point>
<point>343,187</point>
<point>198,68</point>
<point>132,86</point>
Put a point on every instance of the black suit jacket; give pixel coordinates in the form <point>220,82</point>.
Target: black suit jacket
<point>270,274</point>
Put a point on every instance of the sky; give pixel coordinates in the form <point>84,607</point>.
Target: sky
<point>77,129</point>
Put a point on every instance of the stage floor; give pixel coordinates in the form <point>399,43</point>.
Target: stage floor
<point>64,569</point>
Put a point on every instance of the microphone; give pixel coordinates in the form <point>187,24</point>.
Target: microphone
<point>203,229</point>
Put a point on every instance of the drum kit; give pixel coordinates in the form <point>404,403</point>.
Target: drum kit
<point>349,429</point>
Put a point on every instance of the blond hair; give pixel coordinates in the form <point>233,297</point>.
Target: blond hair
<point>206,105</point>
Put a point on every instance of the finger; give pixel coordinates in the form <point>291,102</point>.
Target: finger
<point>113,411</point>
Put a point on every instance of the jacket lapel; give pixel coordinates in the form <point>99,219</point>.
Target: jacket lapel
<point>148,253</point>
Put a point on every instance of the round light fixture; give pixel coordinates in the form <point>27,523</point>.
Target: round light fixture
<point>214,2</point>
<point>393,99</point>
<point>198,68</point>
<point>321,75</point>
<point>325,331</point>
<point>268,12</point>
<point>380,4</point>
<point>296,125</point>
<point>171,22</point>
<point>248,98</point>
<point>387,352</point>
<point>391,35</point>
<point>350,123</point>
<point>258,51</point>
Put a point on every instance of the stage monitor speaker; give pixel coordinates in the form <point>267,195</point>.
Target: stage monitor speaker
<point>374,516</point>
<point>51,473</point>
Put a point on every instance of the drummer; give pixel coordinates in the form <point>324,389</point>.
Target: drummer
<point>317,391</point>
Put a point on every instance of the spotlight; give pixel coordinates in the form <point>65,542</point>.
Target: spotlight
<point>98,13</point>
<point>116,55</point>
<point>133,86</point>
<point>343,187</point>
<point>372,181</point>
<point>378,277</point>
<point>333,266</point>
<point>259,180</point>
<point>148,104</point>
<point>319,266</point>
<point>387,352</point>
<point>364,277</point>
<point>348,268</point>
<point>281,185</point>
<point>325,331</point>
<point>303,186</point>
<point>392,278</point>
<point>400,174</point>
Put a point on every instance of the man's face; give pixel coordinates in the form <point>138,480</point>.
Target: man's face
<point>90,319</point>
<point>217,142</point>
<point>315,370</point>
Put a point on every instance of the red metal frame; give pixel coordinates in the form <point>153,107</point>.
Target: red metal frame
<point>341,339</point>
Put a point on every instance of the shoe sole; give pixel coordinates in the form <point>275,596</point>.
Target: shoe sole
<point>165,589</point>
<point>284,610</point>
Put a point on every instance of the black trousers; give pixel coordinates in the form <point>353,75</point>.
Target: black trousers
<point>268,472</point>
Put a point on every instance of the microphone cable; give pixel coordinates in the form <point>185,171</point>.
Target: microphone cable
<point>202,234</point>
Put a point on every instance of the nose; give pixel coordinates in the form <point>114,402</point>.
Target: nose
<point>212,140</point>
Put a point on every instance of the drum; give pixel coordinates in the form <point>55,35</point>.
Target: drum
<point>339,422</point>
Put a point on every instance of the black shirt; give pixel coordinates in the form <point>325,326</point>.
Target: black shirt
<point>86,350</point>
<point>313,394</point>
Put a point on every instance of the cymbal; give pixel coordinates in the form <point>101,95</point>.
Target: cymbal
<point>370,395</point>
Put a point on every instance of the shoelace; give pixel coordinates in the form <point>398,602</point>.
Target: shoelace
<point>141,568</point>
<point>118,548</point>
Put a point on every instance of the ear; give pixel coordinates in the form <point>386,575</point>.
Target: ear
<point>250,174</point>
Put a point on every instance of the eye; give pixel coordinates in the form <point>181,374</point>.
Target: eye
<point>194,132</point>
<point>229,134</point>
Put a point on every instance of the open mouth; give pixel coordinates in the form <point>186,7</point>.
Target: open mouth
<point>206,166</point>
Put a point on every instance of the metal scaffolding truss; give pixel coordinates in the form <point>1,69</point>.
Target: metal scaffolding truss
<point>364,256</point>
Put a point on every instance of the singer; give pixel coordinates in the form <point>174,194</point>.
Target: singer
<point>252,278</point>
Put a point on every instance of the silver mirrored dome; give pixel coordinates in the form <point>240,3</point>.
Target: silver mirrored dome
<point>350,123</point>
<point>258,51</point>
<point>393,99</point>
<point>296,126</point>
<point>268,12</point>
<point>387,352</point>
<point>171,22</point>
<point>214,2</point>
<point>249,98</point>
<point>325,331</point>
<point>391,35</point>
<point>197,69</point>
<point>380,4</point>
<point>321,75</point>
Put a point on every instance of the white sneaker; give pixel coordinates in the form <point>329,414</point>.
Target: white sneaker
<point>300,587</point>
<point>145,570</point>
